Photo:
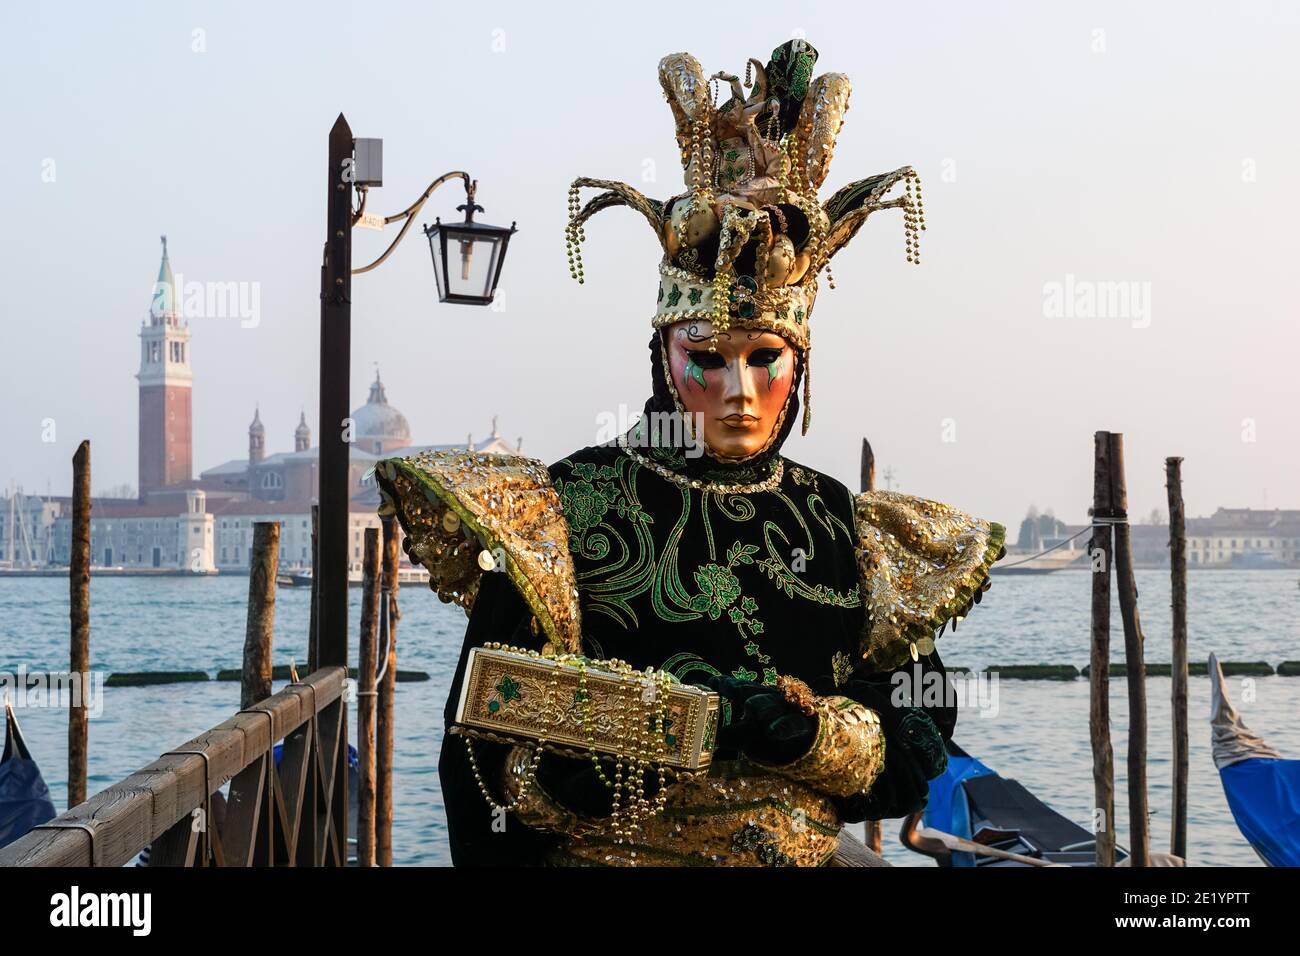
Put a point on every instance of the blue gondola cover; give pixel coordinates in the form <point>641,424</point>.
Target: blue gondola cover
<point>1264,794</point>
<point>24,797</point>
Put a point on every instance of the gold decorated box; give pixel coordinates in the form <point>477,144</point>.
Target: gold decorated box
<point>518,696</point>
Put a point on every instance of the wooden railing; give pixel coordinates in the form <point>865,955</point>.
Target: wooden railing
<point>292,815</point>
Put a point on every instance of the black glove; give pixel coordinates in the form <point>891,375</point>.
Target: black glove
<point>764,725</point>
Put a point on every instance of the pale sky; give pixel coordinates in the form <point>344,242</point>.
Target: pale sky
<point>1153,145</point>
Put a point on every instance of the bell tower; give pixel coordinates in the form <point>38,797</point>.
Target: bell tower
<point>166,384</point>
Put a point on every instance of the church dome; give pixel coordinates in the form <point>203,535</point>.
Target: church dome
<point>379,426</point>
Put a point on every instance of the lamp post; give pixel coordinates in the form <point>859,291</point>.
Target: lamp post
<point>478,254</point>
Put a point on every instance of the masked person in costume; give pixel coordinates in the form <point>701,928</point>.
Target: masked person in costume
<point>691,546</point>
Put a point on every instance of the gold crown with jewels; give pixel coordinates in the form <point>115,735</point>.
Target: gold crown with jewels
<point>745,243</point>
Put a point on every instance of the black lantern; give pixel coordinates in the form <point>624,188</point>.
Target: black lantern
<point>467,256</point>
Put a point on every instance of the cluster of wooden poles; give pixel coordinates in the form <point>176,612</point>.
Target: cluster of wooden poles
<point>376,671</point>
<point>1111,546</point>
<point>376,668</point>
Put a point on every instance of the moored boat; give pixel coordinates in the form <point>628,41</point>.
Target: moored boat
<point>976,817</point>
<point>1262,788</point>
<point>24,797</point>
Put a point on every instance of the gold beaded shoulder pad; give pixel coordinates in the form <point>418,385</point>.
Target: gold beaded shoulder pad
<point>923,563</point>
<point>464,513</point>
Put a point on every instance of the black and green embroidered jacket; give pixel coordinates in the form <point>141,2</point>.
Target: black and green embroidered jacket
<point>751,584</point>
<point>747,584</point>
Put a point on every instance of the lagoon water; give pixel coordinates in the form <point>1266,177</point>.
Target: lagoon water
<point>1034,731</point>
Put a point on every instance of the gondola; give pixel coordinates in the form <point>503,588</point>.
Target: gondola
<point>24,797</point>
<point>976,817</point>
<point>1263,790</point>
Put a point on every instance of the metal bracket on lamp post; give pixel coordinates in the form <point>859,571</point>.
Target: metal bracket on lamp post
<point>413,210</point>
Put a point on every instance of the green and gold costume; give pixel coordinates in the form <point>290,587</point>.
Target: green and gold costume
<point>743,575</point>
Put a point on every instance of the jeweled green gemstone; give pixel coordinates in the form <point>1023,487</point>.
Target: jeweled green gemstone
<point>746,310</point>
<point>494,706</point>
<point>508,688</point>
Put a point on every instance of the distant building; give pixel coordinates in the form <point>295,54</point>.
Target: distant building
<point>1229,538</point>
<point>1243,537</point>
<point>202,524</point>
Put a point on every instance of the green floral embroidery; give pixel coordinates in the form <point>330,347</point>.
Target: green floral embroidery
<point>695,295</point>
<point>719,587</point>
<point>584,507</point>
<point>587,502</point>
<point>719,590</point>
<point>674,296</point>
<point>791,585</point>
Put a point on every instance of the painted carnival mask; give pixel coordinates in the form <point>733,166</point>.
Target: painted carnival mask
<point>739,390</point>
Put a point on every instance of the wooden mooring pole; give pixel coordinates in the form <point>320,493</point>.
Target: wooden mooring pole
<point>1178,653</point>
<point>263,564</point>
<point>389,616</point>
<point>1134,665</point>
<point>868,477</point>
<point>79,604</point>
<point>370,591</point>
<point>1103,757</point>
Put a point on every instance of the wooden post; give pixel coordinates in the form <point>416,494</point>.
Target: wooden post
<point>1100,554</point>
<point>1178,655</point>
<point>868,467</point>
<point>386,687</point>
<point>1134,665</point>
<point>79,603</point>
<point>872,832</point>
<point>313,658</point>
<point>263,563</point>
<point>366,700</point>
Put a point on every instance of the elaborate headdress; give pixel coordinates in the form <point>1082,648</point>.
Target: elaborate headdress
<point>745,244</point>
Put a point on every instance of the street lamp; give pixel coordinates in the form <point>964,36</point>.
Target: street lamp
<point>477,254</point>
<point>469,274</point>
